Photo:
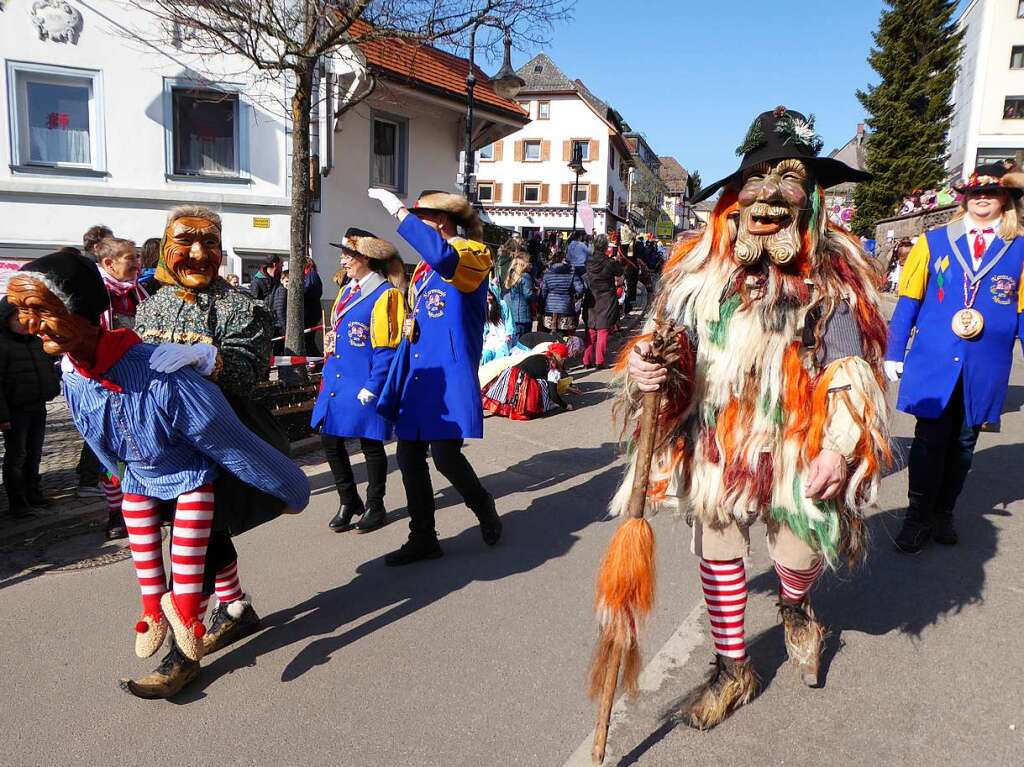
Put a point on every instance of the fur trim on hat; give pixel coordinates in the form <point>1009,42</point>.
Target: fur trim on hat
<point>371,247</point>
<point>1013,180</point>
<point>458,207</point>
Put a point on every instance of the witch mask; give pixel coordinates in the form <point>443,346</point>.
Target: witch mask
<point>190,254</point>
<point>772,202</point>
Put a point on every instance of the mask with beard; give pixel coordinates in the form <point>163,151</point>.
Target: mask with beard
<point>772,201</point>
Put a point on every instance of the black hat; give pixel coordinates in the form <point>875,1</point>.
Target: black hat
<point>366,244</point>
<point>75,280</point>
<point>783,134</point>
<point>994,177</point>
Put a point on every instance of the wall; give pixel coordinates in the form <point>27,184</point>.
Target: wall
<point>47,208</point>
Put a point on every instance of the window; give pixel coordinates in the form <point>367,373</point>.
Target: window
<point>611,158</point>
<point>1020,9</point>
<point>487,153</point>
<point>485,192</point>
<point>205,133</point>
<point>531,193</point>
<point>1009,154</point>
<point>582,192</point>
<point>611,198</point>
<point>544,110</point>
<point>55,116</point>
<point>388,151</point>
<point>1017,57</point>
<point>583,147</point>
<point>531,151</point>
<point>1013,108</point>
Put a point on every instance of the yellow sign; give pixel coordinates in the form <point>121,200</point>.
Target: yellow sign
<point>260,222</point>
<point>665,230</point>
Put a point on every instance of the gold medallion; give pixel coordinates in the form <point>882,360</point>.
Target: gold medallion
<point>968,323</point>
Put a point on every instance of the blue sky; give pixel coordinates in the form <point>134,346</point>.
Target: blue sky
<point>692,74</point>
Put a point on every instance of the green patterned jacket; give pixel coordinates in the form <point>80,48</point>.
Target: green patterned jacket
<point>236,323</point>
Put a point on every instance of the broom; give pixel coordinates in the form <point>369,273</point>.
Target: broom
<point>625,581</point>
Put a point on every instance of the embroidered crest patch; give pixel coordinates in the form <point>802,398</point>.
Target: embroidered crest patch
<point>433,302</point>
<point>1003,289</point>
<point>358,333</point>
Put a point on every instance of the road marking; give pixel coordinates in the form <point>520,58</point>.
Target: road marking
<point>673,655</point>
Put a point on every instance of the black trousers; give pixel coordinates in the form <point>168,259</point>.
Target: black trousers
<point>419,492</point>
<point>940,458</point>
<point>341,468</point>
<point>89,467</point>
<point>23,450</point>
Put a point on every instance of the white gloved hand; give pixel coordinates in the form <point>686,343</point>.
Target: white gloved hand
<point>366,396</point>
<point>893,370</point>
<point>170,357</point>
<point>388,199</point>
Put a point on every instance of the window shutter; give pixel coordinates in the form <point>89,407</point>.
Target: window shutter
<point>519,151</point>
<point>544,193</point>
<point>567,151</point>
<point>593,192</point>
<point>497,193</point>
<point>566,192</point>
<point>499,151</point>
<point>595,150</point>
<point>545,151</point>
<point>517,190</point>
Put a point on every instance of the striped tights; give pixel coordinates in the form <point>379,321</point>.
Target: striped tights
<point>794,584</point>
<point>724,583</point>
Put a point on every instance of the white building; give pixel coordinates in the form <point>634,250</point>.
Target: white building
<point>105,129</point>
<point>524,181</point>
<point>988,97</point>
<point>676,202</point>
<point>646,189</point>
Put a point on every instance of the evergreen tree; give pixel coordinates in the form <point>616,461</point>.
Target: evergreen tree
<point>916,54</point>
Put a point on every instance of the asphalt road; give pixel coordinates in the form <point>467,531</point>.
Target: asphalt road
<point>479,658</point>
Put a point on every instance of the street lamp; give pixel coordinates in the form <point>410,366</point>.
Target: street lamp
<point>576,166</point>
<point>507,84</point>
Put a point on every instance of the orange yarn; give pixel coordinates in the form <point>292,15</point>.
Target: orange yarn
<point>625,581</point>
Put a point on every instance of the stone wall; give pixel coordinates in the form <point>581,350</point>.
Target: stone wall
<point>888,231</point>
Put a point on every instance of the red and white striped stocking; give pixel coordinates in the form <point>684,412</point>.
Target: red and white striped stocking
<point>226,585</point>
<point>142,519</point>
<point>725,592</point>
<point>794,584</point>
<point>112,492</point>
<point>190,535</point>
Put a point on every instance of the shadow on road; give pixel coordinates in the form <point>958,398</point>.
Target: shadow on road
<point>543,531</point>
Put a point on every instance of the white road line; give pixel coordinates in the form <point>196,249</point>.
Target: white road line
<point>673,655</point>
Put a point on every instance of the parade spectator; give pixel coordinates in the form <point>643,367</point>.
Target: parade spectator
<point>498,328</point>
<point>312,310</point>
<point>518,293</point>
<point>560,289</point>
<point>232,280</point>
<point>92,237</point>
<point>266,278</point>
<point>578,254</point>
<point>150,256</point>
<point>631,265</point>
<point>28,380</point>
<point>277,302</point>
<point>120,264</point>
<point>601,303</point>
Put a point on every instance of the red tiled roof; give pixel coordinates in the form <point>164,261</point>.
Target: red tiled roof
<point>416,63</point>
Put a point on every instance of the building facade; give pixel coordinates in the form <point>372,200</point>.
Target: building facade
<point>988,96</point>
<point>105,128</point>
<point>524,181</point>
<point>676,202</point>
<point>646,189</point>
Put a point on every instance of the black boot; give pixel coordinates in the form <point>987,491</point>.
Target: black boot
<point>490,522</point>
<point>942,529</point>
<point>170,677</point>
<point>414,550</point>
<point>38,500</point>
<point>342,520</point>
<point>374,518</point>
<point>229,623</point>
<point>915,533</point>
<point>115,527</point>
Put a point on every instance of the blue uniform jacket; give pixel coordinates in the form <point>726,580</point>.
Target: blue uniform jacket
<point>432,391</point>
<point>931,292</point>
<point>366,333</point>
<point>174,432</point>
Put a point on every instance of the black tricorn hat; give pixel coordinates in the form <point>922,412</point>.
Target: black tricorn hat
<point>74,279</point>
<point>366,244</point>
<point>783,134</point>
<point>994,177</point>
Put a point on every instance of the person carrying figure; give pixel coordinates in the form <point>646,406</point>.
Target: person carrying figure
<point>167,435</point>
<point>365,329</point>
<point>432,391</point>
<point>961,290</point>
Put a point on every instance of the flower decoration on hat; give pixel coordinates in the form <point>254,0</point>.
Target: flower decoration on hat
<point>796,130</point>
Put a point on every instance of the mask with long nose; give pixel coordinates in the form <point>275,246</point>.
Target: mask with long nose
<point>772,203</point>
<point>190,254</point>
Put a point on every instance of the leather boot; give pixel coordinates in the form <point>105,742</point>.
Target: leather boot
<point>374,518</point>
<point>732,683</point>
<point>490,522</point>
<point>414,550</point>
<point>914,534</point>
<point>943,531</point>
<point>170,677</point>
<point>116,530</point>
<point>805,638</point>
<point>229,623</point>
<point>342,520</point>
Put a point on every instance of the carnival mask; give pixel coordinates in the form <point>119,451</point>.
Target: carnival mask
<point>45,316</point>
<point>772,199</point>
<point>190,254</point>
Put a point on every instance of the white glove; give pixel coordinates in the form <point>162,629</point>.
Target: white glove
<point>388,199</point>
<point>366,396</point>
<point>170,357</point>
<point>893,370</point>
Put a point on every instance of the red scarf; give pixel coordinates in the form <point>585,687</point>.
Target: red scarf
<point>110,348</point>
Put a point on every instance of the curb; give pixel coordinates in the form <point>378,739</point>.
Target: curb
<point>87,511</point>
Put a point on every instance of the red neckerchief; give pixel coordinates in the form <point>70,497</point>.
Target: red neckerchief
<point>111,347</point>
<point>421,273</point>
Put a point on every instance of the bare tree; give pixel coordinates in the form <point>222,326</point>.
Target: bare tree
<point>289,39</point>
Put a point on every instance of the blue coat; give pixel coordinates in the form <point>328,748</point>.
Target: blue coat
<point>931,292</point>
<point>519,297</point>
<point>432,391</point>
<point>560,288</point>
<point>366,333</point>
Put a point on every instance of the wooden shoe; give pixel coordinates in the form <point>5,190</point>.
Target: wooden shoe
<point>150,633</point>
<point>170,677</point>
<point>187,636</point>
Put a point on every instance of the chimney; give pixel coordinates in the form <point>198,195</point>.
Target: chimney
<point>860,132</point>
